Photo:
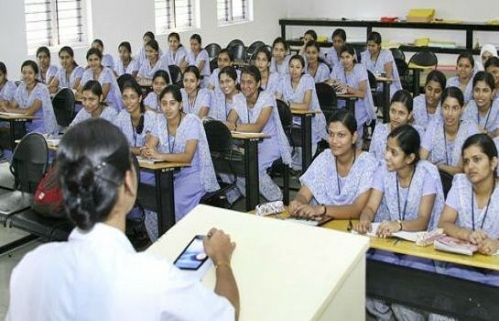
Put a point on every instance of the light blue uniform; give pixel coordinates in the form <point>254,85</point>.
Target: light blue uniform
<point>377,67</point>
<point>203,99</point>
<point>8,91</point>
<point>490,121</point>
<point>321,74</point>
<point>106,77</point>
<point>380,138</point>
<point>120,69</point>
<point>195,60</point>
<point>221,106</point>
<point>420,113</point>
<point>282,68</point>
<point>330,57</point>
<point>152,102</point>
<point>273,84</point>
<point>175,58</point>
<point>147,71</point>
<point>468,91</point>
<point>108,113</point>
<point>69,81</point>
<point>51,72</point>
<point>45,122</point>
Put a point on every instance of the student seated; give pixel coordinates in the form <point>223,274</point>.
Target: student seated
<point>427,106</point>
<point>96,274</point>
<point>160,80</point>
<point>152,63</point>
<point>484,109</point>
<point>179,137</point>
<point>224,59</point>
<point>315,67</point>
<point>380,62</point>
<point>141,56</point>
<point>271,81</point>
<point>280,58</point>
<point>126,63</point>
<point>176,53</point>
<point>198,57</point>
<point>444,138</point>
<point>228,97</point>
<point>309,35</point>
<point>7,88</point>
<point>400,114</point>
<point>331,55</point>
<point>464,79</point>
<point>46,71</point>
<point>338,182</point>
<point>93,104</point>
<point>32,98</point>
<point>195,100</point>
<point>492,67</point>
<point>107,59</point>
<point>488,51</point>
<point>69,75</point>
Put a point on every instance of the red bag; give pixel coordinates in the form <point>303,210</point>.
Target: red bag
<point>48,200</point>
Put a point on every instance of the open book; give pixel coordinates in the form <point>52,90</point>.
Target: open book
<point>421,238</point>
<point>454,245</point>
<point>320,222</point>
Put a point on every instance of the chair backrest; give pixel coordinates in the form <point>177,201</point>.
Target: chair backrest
<point>402,67</point>
<point>123,79</point>
<point>213,64</point>
<point>446,179</point>
<point>397,54</point>
<point>29,162</point>
<point>373,83</point>
<point>327,99</point>
<point>253,48</point>
<point>64,107</point>
<point>238,51</point>
<point>213,50</point>
<point>235,42</point>
<point>285,115</point>
<point>424,58</point>
<point>218,135</point>
<point>176,74</point>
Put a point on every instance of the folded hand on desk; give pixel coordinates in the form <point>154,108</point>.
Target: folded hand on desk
<point>489,247</point>
<point>307,211</point>
<point>149,152</point>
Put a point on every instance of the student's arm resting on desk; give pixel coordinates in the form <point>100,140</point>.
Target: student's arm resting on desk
<point>448,223</point>
<point>185,157</point>
<point>360,92</point>
<point>256,127</point>
<point>30,111</point>
<point>369,211</point>
<point>305,105</point>
<point>388,67</point>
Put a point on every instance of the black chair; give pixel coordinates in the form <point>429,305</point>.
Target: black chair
<point>286,118</point>
<point>64,107</point>
<point>403,70</point>
<point>424,58</point>
<point>397,54</point>
<point>213,50</point>
<point>238,51</point>
<point>446,179</point>
<point>29,162</point>
<point>46,228</point>
<point>213,64</point>
<point>235,42</point>
<point>253,48</point>
<point>327,99</point>
<point>176,74</point>
<point>123,79</point>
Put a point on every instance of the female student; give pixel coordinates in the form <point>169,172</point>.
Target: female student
<point>32,98</point>
<point>96,71</point>
<point>126,64</point>
<point>141,56</point>
<point>338,182</point>
<point>443,138</point>
<point>309,35</point>
<point>228,97</point>
<point>90,270</point>
<point>159,82</point>
<point>195,100</point>
<point>380,61</point>
<point>176,53</point>
<point>152,63</point>
<point>401,107</point>
<point>261,115</point>
<point>351,78</point>
<point>199,57</point>
<point>332,55</point>
<point>107,59</point>
<point>47,71</point>
<point>224,59</point>
<point>69,75</point>
<point>427,105</point>
<point>483,109</point>
<point>298,90</point>
<point>93,104</point>
<point>180,137</point>
<point>280,59</point>
<point>7,88</point>
<point>488,51</point>
<point>315,67</point>
<point>270,80</point>
<point>492,67</point>
<point>464,79</point>
<point>471,210</point>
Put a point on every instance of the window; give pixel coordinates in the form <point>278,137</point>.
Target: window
<point>229,11</point>
<point>53,23</point>
<point>173,14</point>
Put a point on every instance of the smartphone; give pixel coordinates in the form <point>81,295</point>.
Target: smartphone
<point>193,256</point>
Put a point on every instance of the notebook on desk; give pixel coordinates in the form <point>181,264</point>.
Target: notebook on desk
<point>15,201</point>
<point>149,160</point>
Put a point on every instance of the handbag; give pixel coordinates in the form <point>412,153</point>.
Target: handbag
<point>48,201</point>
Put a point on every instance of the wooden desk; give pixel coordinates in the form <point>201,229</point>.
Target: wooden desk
<point>306,135</point>
<point>386,97</point>
<point>250,145</point>
<point>164,190</point>
<point>281,277</point>
<point>416,71</point>
<point>15,119</point>
<point>350,101</point>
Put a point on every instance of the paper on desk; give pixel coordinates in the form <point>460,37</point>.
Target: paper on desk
<point>408,236</point>
<point>148,160</point>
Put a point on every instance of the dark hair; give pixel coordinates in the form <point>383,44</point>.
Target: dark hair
<point>453,92</point>
<point>280,40</point>
<point>94,86</point>
<point>339,33</point>
<point>265,51</point>
<point>437,76</point>
<point>227,52</point>
<point>313,44</point>
<point>299,58</point>
<point>229,71</point>
<point>70,52</point>
<point>345,117</point>
<point>171,89</point>
<point>91,167</point>
<point>44,50</point>
<point>196,37</point>
<point>348,48</point>
<point>133,85</point>
<point>403,96</point>
<point>94,51</point>
<point>32,64</point>
<point>374,36</point>
<point>253,72</point>
<point>408,139</point>
<point>486,144</point>
<point>491,62</point>
<point>3,68</point>
<point>149,34</point>
<point>127,46</point>
<point>174,34</point>
<point>163,74</point>
<point>98,41</point>
<point>153,44</point>
<point>466,55</point>
<point>194,70</point>
<point>311,33</point>
<point>488,78</point>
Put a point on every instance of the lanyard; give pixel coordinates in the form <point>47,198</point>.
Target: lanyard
<point>402,214</point>
<point>338,175</point>
<point>486,119</point>
<point>171,147</point>
<point>486,210</point>
<point>193,105</point>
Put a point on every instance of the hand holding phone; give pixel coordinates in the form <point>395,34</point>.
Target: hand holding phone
<point>218,246</point>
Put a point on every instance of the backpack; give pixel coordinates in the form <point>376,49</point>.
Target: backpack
<point>48,201</point>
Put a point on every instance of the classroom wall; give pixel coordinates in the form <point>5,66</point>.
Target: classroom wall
<point>116,20</point>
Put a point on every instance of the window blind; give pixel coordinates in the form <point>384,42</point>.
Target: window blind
<point>173,14</point>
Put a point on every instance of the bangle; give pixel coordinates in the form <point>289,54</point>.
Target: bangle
<point>222,263</point>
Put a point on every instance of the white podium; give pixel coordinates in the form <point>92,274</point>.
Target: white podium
<point>285,271</point>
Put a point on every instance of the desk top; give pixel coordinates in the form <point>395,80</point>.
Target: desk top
<point>245,135</point>
<point>14,116</point>
<point>384,79</point>
<point>418,67</point>
<point>161,165</point>
<point>346,96</point>
<point>280,276</point>
<point>304,112</point>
